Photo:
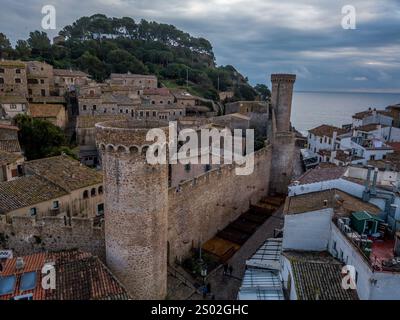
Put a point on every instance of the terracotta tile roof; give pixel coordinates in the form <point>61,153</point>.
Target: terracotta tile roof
<point>8,157</point>
<point>369,127</point>
<point>27,191</point>
<point>341,202</point>
<point>8,127</point>
<point>130,75</point>
<point>317,276</point>
<point>79,276</point>
<point>344,157</point>
<point>45,110</point>
<point>64,171</point>
<point>12,63</point>
<point>10,146</point>
<point>69,73</point>
<point>323,172</point>
<point>394,145</point>
<point>327,130</point>
<point>363,114</point>
<point>13,99</point>
<point>156,91</point>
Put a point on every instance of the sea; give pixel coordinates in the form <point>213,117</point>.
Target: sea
<point>311,109</point>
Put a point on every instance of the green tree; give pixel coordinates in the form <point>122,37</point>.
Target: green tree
<point>92,65</point>
<point>5,46</point>
<point>23,50</point>
<point>263,91</point>
<point>40,44</point>
<point>40,138</point>
<point>121,61</point>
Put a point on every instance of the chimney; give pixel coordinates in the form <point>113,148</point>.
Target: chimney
<point>374,181</point>
<point>366,193</point>
<point>19,263</point>
<point>334,136</point>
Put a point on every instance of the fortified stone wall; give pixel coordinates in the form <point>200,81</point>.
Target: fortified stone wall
<point>25,235</point>
<point>199,208</point>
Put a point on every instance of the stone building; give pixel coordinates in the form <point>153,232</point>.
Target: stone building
<point>149,225</point>
<point>40,78</point>
<point>67,80</point>
<point>11,166</point>
<point>54,113</point>
<point>137,82</point>
<point>158,96</point>
<point>9,139</point>
<point>12,105</point>
<point>13,78</point>
<point>56,186</point>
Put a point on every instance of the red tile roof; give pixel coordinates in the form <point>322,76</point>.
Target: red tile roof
<point>79,276</point>
<point>327,130</point>
<point>363,114</point>
<point>156,91</point>
<point>324,172</point>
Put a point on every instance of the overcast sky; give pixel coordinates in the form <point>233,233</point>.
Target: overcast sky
<point>259,37</point>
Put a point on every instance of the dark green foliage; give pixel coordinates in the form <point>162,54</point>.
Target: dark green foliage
<point>100,45</point>
<point>263,91</point>
<point>40,138</point>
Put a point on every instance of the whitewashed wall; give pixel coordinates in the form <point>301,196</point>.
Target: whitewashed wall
<point>307,231</point>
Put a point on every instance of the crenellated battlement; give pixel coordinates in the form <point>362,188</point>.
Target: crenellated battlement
<point>126,135</point>
<point>283,78</point>
<point>224,171</point>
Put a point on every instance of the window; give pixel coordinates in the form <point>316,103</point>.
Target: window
<point>187,167</point>
<point>56,204</point>
<point>30,92</point>
<point>100,190</point>
<point>17,70</point>
<point>207,167</point>
<point>33,212</point>
<point>43,92</point>
<point>17,80</point>
<point>13,106</point>
<point>372,157</point>
<point>42,81</point>
<point>85,194</point>
<point>1,80</point>
<point>320,140</point>
<point>100,209</point>
<point>154,113</point>
<point>93,192</point>
<point>84,107</point>
<point>356,277</point>
<point>94,107</point>
<point>1,70</point>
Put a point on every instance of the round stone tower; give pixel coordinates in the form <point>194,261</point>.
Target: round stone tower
<point>281,98</point>
<point>136,207</point>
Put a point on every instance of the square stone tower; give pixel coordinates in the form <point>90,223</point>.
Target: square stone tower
<point>283,140</point>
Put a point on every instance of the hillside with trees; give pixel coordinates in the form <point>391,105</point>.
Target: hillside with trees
<point>100,45</point>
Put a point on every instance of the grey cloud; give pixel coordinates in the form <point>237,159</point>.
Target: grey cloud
<point>259,36</point>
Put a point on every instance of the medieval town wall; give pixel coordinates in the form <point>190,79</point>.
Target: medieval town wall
<point>25,235</point>
<point>201,207</point>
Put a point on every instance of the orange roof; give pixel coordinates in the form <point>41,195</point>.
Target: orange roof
<point>45,110</point>
<point>8,127</point>
<point>79,276</point>
<point>327,130</point>
<point>156,91</point>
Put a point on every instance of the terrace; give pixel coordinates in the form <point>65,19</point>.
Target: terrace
<point>371,237</point>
